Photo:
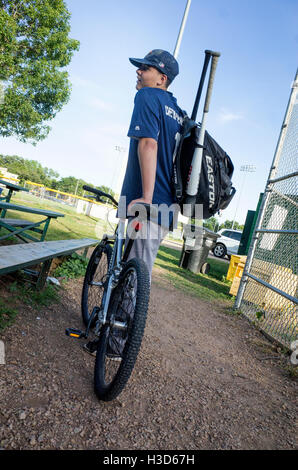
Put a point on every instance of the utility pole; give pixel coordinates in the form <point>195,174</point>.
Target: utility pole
<point>117,166</point>
<point>181,31</point>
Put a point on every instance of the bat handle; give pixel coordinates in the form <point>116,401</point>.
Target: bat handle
<point>215,56</point>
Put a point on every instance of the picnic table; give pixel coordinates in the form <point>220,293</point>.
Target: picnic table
<point>22,256</point>
<point>20,227</point>
<point>11,188</point>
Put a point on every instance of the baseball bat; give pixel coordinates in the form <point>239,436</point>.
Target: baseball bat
<point>195,169</point>
<point>200,88</point>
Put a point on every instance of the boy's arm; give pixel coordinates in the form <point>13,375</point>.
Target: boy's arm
<point>147,152</point>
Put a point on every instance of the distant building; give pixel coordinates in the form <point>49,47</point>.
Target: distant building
<point>4,174</point>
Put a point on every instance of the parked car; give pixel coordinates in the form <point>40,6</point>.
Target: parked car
<point>228,243</point>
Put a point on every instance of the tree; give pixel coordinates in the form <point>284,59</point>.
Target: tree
<point>229,224</point>
<point>34,50</point>
<point>107,190</point>
<point>28,169</point>
<point>67,184</point>
<point>32,170</point>
<point>211,224</point>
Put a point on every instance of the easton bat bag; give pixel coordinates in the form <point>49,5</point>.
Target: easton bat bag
<point>215,190</point>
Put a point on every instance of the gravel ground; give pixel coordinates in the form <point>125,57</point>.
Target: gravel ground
<point>203,380</point>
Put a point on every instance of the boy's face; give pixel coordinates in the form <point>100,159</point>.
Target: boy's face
<point>149,77</point>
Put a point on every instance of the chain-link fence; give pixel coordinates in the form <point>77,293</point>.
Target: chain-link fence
<point>268,288</point>
<point>52,194</point>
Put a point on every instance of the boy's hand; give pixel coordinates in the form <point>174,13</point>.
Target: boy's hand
<point>136,201</point>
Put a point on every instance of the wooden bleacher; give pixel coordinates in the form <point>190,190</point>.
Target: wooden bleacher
<point>15,257</point>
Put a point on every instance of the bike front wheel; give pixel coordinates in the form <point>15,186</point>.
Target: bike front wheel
<point>118,348</point>
<point>94,281</point>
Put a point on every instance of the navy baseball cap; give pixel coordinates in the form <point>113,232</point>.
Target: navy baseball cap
<point>161,60</point>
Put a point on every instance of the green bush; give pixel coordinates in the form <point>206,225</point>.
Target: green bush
<point>74,266</point>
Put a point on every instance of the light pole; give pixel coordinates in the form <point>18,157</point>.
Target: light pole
<point>181,31</point>
<point>77,185</point>
<point>118,149</point>
<point>245,169</point>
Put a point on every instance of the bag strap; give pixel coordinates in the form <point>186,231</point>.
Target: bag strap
<point>187,125</point>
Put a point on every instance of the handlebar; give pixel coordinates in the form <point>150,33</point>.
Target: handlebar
<point>98,194</point>
<point>137,209</point>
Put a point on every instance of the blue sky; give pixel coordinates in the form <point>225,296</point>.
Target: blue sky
<point>258,41</point>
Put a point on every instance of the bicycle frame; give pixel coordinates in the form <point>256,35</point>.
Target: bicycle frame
<point>114,271</point>
<point>119,257</point>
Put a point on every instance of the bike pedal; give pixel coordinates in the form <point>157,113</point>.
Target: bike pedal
<point>74,333</point>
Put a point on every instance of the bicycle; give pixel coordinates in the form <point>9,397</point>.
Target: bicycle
<point>115,298</point>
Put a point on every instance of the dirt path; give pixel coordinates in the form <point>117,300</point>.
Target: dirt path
<point>203,380</point>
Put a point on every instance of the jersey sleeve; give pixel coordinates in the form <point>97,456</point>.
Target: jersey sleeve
<point>145,120</point>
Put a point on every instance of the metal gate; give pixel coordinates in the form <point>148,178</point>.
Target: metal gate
<point>268,289</point>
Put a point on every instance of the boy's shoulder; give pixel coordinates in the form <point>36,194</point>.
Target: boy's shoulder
<point>155,96</point>
<point>148,93</point>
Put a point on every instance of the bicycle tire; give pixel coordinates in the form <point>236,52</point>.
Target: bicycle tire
<point>129,307</point>
<point>96,270</point>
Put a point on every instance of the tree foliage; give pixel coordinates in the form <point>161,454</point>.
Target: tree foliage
<point>229,224</point>
<point>214,225</point>
<point>34,50</point>
<point>31,170</point>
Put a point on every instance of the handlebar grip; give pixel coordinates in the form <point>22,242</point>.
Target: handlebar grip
<point>99,194</point>
<point>92,190</point>
<point>139,209</point>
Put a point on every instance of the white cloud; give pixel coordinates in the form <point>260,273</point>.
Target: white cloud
<point>102,105</point>
<point>227,116</point>
<point>91,88</point>
<point>82,82</point>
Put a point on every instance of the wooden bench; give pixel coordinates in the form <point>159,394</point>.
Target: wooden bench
<point>14,257</point>
<point>20,227</point>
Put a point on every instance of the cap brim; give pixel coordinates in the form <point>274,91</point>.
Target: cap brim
<point>138,62</point>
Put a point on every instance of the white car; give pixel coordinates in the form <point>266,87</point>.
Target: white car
<point>228,243</point>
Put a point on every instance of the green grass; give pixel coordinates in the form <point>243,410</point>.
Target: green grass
<point>7,314</point>
<point>209,287</point>
<point>35,298</point>
<point>19,294</point>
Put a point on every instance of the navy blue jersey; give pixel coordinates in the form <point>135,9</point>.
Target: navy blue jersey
<point>156,115</point>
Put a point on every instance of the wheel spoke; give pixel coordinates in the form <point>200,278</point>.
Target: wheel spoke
<point>94,281</point>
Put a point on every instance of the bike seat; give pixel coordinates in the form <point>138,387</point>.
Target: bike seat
<point>144,211</point>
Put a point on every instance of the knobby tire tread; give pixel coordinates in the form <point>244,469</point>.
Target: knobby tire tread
<point>134,340</point>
